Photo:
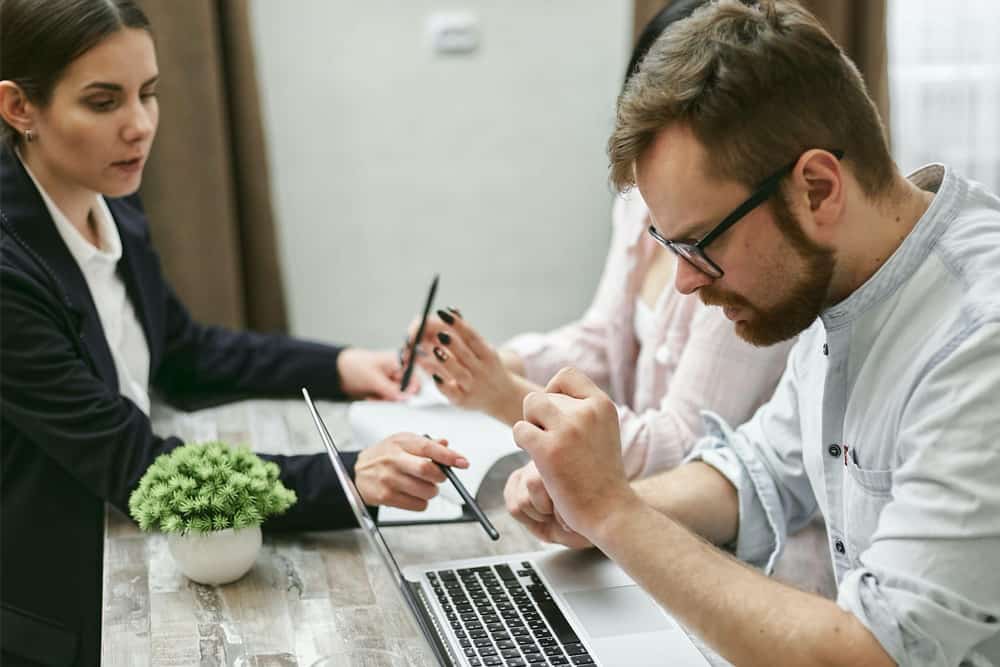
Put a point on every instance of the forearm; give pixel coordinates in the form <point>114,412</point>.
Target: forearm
<point>512,361</point>
<point>748,618</point>
<point>697,496</point>
<point>510,409</point>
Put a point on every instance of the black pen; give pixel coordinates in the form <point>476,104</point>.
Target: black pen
<point>420,333</point>
<point>470,502</point>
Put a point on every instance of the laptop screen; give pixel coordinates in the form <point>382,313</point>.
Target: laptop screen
<point>354,499</point>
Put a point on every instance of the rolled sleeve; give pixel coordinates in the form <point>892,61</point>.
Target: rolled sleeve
<point>762,524</point>
<point>762,459</point>
<point>895,607</point>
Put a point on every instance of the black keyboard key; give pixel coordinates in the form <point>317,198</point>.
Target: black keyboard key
<point>465,643</point>
<point>560,626</point>
<point>519,632</point>
<point>583,659</point>
<point>559,660</point>
<point>535,658</point>
<point>487,650</point>
<point>478,634</point>
<point>505,572</point>
<point>510,653</point>
<point>493,661</point>
<point>574,649</point>
<point>506,644</point>
<point>460,634</point>
<point>471,653</point>
<point>474,662</point>
<point>500,636</point>
<point>515,662</point>
<point>484,642</point>
<point>552,651</point>
<point>547,641</point>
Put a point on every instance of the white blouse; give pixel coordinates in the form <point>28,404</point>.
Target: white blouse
<point>125,336</point>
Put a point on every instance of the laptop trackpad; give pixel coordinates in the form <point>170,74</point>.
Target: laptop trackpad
<point>625,610</point>
<point>628,629</point>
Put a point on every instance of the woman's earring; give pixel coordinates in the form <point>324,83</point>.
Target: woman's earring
<point>29,136</point>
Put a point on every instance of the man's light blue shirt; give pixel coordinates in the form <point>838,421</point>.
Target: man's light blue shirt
<point>887,420</point>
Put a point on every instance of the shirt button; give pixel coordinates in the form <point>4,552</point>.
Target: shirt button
<point>834,451</point>
<point>826,350</point>
<point>839,546</point>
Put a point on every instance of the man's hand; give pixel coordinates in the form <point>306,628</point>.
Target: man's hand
<point>571,433</point>
<point>400,471</point>
<point>372,374</point>
<point>529,502</point>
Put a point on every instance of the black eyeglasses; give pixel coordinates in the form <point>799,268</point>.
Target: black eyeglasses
<point>694,253</point>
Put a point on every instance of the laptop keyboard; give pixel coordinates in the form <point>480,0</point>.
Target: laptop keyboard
<point>505,615</point>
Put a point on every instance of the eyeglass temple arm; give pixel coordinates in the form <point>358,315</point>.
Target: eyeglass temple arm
<point>764,190</point>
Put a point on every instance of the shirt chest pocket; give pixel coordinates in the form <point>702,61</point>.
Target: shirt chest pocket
<point>866,493</point>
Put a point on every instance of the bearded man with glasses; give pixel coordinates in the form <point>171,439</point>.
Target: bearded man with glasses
<point>886,419</point>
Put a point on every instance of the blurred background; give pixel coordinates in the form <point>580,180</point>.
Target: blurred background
<point>319,161</point>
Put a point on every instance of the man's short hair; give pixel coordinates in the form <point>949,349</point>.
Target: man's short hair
<point>758,84</point>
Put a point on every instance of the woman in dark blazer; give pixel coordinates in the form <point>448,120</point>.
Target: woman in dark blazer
<point>77,100</point>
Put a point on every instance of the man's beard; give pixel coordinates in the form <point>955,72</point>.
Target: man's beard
<point>800,307</point>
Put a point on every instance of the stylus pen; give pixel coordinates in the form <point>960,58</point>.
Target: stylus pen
<point>470,501</point>
<point>420,334</point>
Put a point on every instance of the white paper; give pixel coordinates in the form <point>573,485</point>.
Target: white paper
<point>476,436</point>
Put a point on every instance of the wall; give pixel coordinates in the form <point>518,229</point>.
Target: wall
<point>391,162</point>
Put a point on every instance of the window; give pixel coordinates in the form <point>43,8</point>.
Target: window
<point>944,77</point>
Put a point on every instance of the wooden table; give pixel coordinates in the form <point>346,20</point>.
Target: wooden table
<point>310,595</point>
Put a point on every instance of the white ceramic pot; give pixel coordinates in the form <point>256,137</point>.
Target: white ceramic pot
<point>218,557</point>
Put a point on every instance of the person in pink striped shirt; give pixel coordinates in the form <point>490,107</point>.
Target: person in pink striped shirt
<point>662,356</point>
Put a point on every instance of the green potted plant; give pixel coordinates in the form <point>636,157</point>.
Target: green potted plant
<point>210,500</point>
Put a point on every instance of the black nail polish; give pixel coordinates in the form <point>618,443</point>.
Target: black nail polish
<point>447,317</point>
<point>444,338</point>
<point>441,355</point>
<point>455,311</point>
<point>437,378</point>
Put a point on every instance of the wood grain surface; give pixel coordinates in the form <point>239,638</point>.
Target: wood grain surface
<point>321,598</point>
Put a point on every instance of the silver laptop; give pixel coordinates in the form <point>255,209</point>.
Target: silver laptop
<point>557,607</point>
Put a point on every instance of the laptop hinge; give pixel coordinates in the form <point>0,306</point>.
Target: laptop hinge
<point>432,629</point>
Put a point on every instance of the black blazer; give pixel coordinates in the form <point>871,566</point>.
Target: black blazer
<point>70,441</point>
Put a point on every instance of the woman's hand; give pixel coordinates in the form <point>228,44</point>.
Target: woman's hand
<point>372,374</point>
<point>401,472</point>
<point>468,370</point>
